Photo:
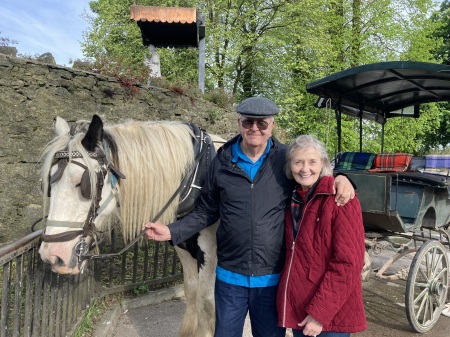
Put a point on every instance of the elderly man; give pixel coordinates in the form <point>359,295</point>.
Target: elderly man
<point>247,190</point>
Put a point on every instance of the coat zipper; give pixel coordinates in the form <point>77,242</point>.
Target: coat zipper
<point>251,233</point>
<point>287,283</point>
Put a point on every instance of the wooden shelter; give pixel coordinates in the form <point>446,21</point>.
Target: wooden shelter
<point>175,27</point>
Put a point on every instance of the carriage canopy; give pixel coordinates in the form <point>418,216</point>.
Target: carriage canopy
<point>383,90</point>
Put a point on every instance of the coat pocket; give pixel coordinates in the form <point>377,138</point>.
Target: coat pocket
<point>315,274</point>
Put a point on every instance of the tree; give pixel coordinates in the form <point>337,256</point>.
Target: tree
<point>241,44</point>
<point>274,48</point>
<point>114,40</point>
<point>330,36</point>
<point>442,31</point>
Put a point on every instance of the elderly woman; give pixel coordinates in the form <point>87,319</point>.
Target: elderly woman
<point>320,291</point>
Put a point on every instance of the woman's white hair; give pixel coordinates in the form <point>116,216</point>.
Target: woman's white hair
<point>305,142</point>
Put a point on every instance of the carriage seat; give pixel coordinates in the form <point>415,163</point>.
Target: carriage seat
<point>391,162</point>
<point>357,161</point>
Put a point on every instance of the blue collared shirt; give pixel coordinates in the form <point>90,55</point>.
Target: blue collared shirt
<point>244,162</point>
<point>251,168</point>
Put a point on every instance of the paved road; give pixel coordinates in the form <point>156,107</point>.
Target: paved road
<point>384,305</point>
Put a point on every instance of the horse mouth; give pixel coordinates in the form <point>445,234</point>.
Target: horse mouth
<point>65,270</point>
<point>59,267</point>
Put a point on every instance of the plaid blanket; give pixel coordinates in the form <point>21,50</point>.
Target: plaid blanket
<point>391,162</point>
<point>436,161</point>
<point>361,161</point>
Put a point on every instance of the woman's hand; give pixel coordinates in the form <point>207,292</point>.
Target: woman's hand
<point>311,326</point>
<point>343,189</point>
<point>157,231</point>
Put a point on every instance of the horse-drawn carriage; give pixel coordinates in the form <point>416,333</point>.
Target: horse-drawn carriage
<point>405,199</point>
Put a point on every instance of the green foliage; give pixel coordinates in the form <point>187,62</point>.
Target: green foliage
<point>329,36</point>
<point>438,138</point>
<point>219,97</point>
<point>115,39</point>
<point>274,48</point>
<point>441,19</point>
<point>86,327</point>
<point>140,290</point>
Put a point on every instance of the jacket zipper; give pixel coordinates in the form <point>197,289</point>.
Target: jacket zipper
<point>252,234</point>
<point>287,283</point>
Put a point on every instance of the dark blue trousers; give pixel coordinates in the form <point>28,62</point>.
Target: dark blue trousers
<point>232,304</point>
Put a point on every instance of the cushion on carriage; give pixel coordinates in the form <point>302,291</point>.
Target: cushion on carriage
<point>437,164</point>
<point>391,162</point>
<point>361,161</point>
<point>437,161</point>
<point>417,164</point>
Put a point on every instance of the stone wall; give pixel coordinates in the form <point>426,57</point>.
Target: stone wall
<point>32,94</point>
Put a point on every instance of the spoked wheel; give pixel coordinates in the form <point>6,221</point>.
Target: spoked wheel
<point>427,286</point>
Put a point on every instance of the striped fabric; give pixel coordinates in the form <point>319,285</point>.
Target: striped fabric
<point>360,161</point>
<point>391,162</point>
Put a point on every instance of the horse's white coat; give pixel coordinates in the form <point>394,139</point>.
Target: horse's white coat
<point>67,204</point>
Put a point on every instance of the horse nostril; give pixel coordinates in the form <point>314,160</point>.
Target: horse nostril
<point>58,262</point>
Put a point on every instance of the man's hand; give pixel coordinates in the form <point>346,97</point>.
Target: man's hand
<point>157,231</point>
<point>312,327</point>
<point>343,189</point>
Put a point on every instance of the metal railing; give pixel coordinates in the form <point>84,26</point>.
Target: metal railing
<point>37,302</point>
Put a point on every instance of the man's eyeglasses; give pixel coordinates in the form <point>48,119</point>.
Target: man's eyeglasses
<point>260,123</point>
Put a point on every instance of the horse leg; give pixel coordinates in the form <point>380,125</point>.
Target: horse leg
<point>206,281</point>
<point>189,325</point>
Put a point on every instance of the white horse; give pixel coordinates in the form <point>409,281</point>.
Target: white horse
<point>83,171</point>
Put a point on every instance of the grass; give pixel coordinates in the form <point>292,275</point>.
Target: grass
<point>95,313</point>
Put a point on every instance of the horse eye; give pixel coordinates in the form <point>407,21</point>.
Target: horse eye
<point>78,185</point>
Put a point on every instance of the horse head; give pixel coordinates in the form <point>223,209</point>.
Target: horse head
<point>82,183</point>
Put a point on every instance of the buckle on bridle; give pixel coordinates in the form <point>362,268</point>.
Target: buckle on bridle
<point>81,248</point>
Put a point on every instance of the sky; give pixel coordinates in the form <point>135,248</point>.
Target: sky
<point>45,26</point>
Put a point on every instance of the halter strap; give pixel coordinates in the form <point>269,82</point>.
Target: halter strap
<point>71,224</point>
<point>61,237</point>
<point>74,154</point>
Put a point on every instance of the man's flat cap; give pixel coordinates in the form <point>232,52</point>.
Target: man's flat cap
<point>257,107</point>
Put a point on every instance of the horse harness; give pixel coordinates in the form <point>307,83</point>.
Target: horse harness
<point>88,226</point>
<point>189,190</point>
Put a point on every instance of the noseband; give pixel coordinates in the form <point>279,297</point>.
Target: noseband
<point>88,226</point>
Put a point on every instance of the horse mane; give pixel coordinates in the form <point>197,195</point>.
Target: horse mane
<point>154,156</point>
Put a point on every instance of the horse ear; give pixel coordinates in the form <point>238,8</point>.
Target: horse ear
<point>61,127</point>
<point>94,134</point>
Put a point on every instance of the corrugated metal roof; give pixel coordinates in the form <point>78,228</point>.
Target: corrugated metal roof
<point>163,14</point>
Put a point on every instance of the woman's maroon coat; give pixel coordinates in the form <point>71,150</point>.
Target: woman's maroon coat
<point>321,276</point>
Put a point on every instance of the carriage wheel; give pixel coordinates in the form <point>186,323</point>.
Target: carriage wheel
<point>427,285</point>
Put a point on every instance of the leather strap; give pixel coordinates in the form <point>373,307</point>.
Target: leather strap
<point>61,237</point>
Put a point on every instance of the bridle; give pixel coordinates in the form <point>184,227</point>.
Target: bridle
<point>86,228</point>
<point>82,248</point>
